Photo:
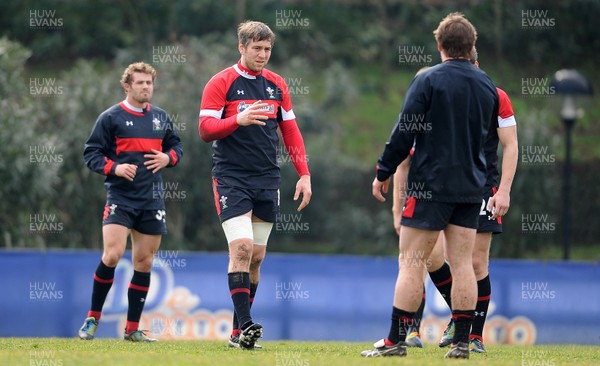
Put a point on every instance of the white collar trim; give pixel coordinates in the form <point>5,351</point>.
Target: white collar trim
<point>135,109</point>
<point>243,73</point>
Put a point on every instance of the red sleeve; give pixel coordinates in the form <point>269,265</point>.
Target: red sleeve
<point>210,125</point>
<point>505,109</point>
<point>506,114</point>
<point>294,145</point>
<point>211,128</point>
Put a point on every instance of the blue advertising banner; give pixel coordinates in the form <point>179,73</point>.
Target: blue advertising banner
<point>300,297</point>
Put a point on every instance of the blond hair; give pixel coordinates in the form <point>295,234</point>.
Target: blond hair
<point>251,30</point>
<point>142,67</point>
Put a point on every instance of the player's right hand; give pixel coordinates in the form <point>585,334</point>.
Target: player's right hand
<point>378,187</point>
<point>252,115</point>
<point>126,171</point>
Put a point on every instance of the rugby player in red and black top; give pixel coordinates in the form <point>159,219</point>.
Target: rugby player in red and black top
<point>242,107</point>
<point>447,113</point>
<point>130,143</point>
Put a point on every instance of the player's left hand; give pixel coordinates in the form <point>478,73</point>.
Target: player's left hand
<point>303,187</point>
<point>378,187</point>
<point>156,161</point>
<point>498,204</point>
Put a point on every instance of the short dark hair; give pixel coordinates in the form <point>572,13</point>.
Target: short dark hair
<point>251,30</point>
<point>456,35</point>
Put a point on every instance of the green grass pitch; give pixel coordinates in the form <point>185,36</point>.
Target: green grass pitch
<point>114,352</point>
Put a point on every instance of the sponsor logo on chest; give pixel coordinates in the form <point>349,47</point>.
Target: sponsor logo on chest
<point>243,105</point>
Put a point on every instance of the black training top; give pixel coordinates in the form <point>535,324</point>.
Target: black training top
<point>123,134</point>
<point>447,113</point>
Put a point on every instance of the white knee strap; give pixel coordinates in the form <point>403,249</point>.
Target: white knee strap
<point>239,227</point>
<point>262,230</point>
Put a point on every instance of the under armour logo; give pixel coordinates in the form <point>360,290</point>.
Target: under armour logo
<point>482,313</point>
<point>128,123</point>
<point>142,299</point>
<point>240,92</point>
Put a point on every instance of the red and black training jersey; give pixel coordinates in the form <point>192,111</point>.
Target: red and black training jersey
<point>506,118</point>
<point>246,156</point>
<point>123,134</point>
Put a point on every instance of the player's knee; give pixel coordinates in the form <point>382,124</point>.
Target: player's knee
<point>480,266</point>
<point>256,262</point>
<point>111,258</point>
<point>143,264</point>
<point>240,251</point>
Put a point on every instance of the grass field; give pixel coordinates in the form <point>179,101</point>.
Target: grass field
<point>114,352</point>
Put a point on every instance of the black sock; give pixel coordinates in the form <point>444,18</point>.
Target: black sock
<point>401,324</point>
<point>484,292</point>
<point>442,279</point>
<point>103,280</point>
<point>136,294</point>
<point>462,323</point>
<point>253,287</point>
<point>419,315</point>
<point>239,288</point>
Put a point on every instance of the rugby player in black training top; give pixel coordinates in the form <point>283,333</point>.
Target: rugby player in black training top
<point>454,102</point>
<point>131,142</point>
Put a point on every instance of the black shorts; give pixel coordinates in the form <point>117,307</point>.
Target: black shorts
<point>435,215</point>
<point>149,222</point>
<point>486,223</point>
<point>235,201</point>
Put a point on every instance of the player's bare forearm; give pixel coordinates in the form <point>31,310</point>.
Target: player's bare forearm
<point>510,156</point>
<point>500,202</point>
